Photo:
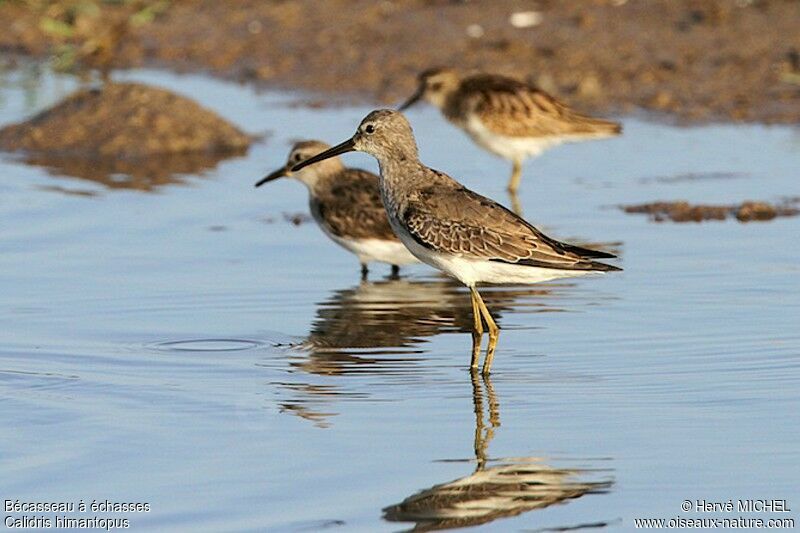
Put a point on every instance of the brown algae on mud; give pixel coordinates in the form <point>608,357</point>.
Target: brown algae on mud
<point>683,211</point>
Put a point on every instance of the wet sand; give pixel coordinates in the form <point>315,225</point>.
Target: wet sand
<point>701,60</point>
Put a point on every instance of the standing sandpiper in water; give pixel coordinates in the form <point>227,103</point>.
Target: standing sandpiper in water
<point>455,230</point>
<point>505,116</point>
<point>346,204</point>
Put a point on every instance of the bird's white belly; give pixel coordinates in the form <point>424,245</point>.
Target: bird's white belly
<point>471,271</point>
<point>368,250</point>
<point>510,147</point>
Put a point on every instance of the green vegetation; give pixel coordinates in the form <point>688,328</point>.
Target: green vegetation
<point>87,33</point>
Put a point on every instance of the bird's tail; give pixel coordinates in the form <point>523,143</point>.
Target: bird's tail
<point>586,252</point>
<point>596,127</point>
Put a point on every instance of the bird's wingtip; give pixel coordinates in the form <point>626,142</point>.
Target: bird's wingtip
<point>603,267</point>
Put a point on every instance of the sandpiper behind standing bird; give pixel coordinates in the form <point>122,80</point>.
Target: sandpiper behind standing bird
<point>507,117</point>
<point>465,235</point>
<point>346,204</point>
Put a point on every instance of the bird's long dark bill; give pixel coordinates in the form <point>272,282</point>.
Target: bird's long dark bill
<point>413,99</point>
<point>339,149</point>
<point>281,172</point>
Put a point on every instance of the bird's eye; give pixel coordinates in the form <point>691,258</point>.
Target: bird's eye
<point>436,86</point>
<point>296,157</point>
<point>369,128</point>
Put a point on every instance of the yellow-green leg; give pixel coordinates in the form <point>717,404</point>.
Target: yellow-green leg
<point>515,205</point>
<point>494,333</point>
<point>516,176</point>
<point>477,329</point>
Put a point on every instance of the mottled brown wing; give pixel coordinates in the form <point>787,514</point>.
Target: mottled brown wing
<point>352,208</point>
<point>461,222</point>
<point>515,109</point>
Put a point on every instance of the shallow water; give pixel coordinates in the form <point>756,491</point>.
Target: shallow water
<point>182,344</point>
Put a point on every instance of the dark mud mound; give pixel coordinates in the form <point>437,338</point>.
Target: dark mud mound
<point>124,120</point>
<point>125,136</point>
<point>682,211</point>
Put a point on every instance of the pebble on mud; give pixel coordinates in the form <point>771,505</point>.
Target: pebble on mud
<point>525,19</point>
<point>682,211</point>
<point>124,120</point>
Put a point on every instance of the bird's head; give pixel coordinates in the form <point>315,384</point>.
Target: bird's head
<point>434,86</point>
<point>383,134</point>
<point>301,151</point>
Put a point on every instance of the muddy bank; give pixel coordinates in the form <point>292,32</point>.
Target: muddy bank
<point>125,136</point>
<point>124,120</point>
<point>699,60</point>
<point>682,211</point>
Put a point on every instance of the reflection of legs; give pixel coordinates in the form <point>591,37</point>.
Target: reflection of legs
<point>494,333</point>
<point>479,443</point>
<point>364,271</point>
<point>494,407</point>
<point>516,175</point>
<point>477,328</point>
<point>483,435</point>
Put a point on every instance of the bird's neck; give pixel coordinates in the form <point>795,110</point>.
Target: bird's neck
<point>446,96</point>
<point>451,108</point>
<point>398,157</point>
<point>322,177</point>
<point>399,178</point>
<point>397,171</point>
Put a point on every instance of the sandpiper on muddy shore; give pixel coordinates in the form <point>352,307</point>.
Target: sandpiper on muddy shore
<point>465,235</point>
<point>505,116</point>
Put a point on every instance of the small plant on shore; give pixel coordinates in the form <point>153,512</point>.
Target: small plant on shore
<point>88,33</point>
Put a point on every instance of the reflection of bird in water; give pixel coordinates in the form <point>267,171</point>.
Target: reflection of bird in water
<point>365,324</point>
<point>376,328</point>
<point>497,488</point>
<point>308,402</point>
